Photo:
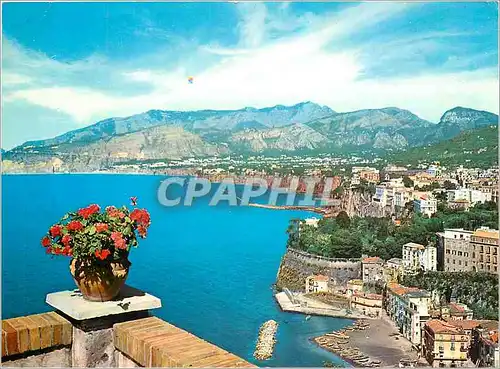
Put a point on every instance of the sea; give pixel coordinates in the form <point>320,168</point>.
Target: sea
<point>213,267</point>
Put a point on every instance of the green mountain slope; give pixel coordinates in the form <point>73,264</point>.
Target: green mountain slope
<point>474,148</point>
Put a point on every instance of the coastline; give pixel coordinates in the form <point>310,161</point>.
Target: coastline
<point>377,343</point>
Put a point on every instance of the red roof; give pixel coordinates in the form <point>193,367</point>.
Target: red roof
<point>320,277</point>
<point>439,326</point>
<point>372,260</point>
<point>464,324</point>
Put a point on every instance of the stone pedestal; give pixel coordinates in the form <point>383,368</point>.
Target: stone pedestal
<point>93,322</point>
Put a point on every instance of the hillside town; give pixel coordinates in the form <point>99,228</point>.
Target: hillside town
<point>440,325</point>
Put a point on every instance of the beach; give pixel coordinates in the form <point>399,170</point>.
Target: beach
<point>377,341</point>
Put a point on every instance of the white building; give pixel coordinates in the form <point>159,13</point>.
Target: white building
<point>473,196</point>
<point>418,257</point>
<point>434,170</point>
<point>428,260</point>
<point>312,222</point>
<point>425,205</point>
<point>317,283</point>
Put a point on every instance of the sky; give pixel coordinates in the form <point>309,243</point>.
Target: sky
<point>69,65</point>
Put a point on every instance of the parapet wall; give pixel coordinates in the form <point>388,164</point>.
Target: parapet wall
<point>297,265</point>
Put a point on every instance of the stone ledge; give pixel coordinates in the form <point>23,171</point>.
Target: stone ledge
<point>152,342</point>
<point>34,332</point>
<point>130,299</point>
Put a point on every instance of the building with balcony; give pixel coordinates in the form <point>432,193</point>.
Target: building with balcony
<point>425,205</point>
<point>445,345</point>
<point>484,245</point>
<point>419,257</point>
<point>408,307</point>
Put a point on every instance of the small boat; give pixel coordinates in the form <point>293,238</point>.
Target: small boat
<point>308,317</point>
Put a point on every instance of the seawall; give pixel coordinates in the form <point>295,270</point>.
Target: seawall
<point>297,265</point>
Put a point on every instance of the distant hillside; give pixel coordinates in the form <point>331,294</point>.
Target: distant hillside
<point>388,128</point>
<point>477,148</point>
<point>304,128</point>
<point>202,120</point>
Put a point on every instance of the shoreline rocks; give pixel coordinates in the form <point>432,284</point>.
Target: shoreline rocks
<point>266,341</point>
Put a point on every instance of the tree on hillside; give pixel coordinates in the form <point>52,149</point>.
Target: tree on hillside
<point>449,185</point>
<point>407,181</point>
<point>343,220</point>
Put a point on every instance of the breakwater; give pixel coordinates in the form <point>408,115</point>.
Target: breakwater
<point>297,265</point>
<point>265,343</point>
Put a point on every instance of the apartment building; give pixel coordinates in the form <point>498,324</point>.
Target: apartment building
<point>369,304</point>
<point>472,196</point>
<point>425,205</point>
<point>372,269</point>
<point>453,250</point>
<point>484,246</point>
<point>408,307</point>
<point>419,257</point>
<point>444,345</point>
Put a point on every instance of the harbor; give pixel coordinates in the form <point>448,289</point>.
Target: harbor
<point>368,344</point>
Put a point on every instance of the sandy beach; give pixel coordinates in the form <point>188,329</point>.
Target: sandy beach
<point>378,342</point>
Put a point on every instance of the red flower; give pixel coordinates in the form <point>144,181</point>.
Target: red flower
<point>101,227</point>
<point>142,230</point>
<point>114,212</point>
<point>74,225</point>
<point>141,216</point>
<point>55,230</point>
<point>67,251</point>
<point>89,210</point>
<point>48,250</point>
<point>117,238</point>
<point>65,240</point>
<point>102,254</point>
<point>45,241</point>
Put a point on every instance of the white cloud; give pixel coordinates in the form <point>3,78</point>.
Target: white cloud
<point>256,72</point>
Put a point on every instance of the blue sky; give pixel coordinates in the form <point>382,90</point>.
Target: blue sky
<point>68,65</point>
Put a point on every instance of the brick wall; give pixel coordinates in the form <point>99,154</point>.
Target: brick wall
<point>152,342</point>
<point>33,333</point>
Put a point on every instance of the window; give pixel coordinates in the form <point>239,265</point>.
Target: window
<point>453,261</point>
<point>447,251</point>
<point>460,262</point>
<point>460,253</point>
<point>452,346</point>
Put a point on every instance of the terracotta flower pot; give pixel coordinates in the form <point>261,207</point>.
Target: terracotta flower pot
<point>99,281</point>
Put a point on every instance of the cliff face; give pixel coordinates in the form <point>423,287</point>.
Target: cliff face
<point>296,266</point>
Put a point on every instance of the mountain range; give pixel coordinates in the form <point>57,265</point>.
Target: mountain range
<point>301,128</point>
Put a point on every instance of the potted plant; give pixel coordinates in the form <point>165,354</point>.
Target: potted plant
<point>98,243</point>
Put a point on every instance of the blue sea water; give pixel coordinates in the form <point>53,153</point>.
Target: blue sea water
<point>212,267</point>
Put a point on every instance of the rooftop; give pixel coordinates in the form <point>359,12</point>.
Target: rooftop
<point>372,260</point>
<point>486,233</point>
<point>464,324</point>
<point>440,326</point>
<point>414,245</point>
<point>319,277</point>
